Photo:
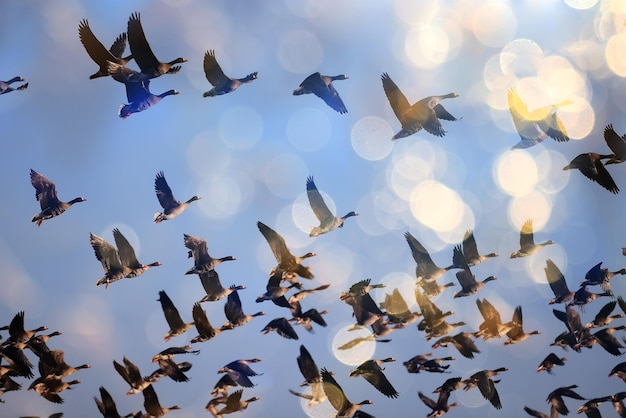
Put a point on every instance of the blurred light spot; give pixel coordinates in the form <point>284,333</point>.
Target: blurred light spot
<point>363,349</point>
<point>205,147</point>
<point>561,77</point>
<point>534,205</point>
<point>413,12</point>
<point>466,221</point>
<point>405,285</point>
<point>303,215</point>
<point>240,127</point>
<point>496,80</point>
<point>90,318</point>
<point>494,24</point>
<point>430,44</point>
<point>581,4</point>
<point>411,164</point>
<point>578,118</point>
<point>283,175</point>
<point>520,57</point>
<point>319,410</point>
<point>614,53</point>
<point>221,196</point>
<point>369,138</point>
<point>436,206</point>
<point>587,54</point>
<point>296,235</point>
<point>536,266</point>
<point>516,173</point>
<point>550,170</point>
<point>300,51</point>
<point>337,265</point>
<point>308,129</point>
<point>386,210</point>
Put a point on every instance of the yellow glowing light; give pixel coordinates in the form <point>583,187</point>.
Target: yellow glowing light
<point>370,138</point>
<point>436,206</point>
<point>516,173</point>
<point>430,44</point>
<point>494,24</point>
<point>614,53</point>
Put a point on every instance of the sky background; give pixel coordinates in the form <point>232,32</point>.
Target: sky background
<point>248,154</point>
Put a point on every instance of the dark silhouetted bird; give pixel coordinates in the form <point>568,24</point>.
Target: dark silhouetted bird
<point>616,143</point>
<point>372,371</point>
<point>98,53</point>
<point>150,66</point>
<point>46,194</point>
<point>222,84</point>
<point>322,87</point>
<point>172,316</point>
<point>590,164</point>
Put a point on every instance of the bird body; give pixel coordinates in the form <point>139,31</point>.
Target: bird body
<point>173,318</point>
<point>527,241</point>
<point>534,127</point>
<point>171,207</point>
<point>138,92</point>
<point>372,371</point>
<point>150,66</point>
<point>424,114</point>
<point>337,397</point>
<point>590,164</point>
<point>617,144</point>
<point>222,84</point>
<point>203,262</point>
<point>5,86</point>
<point>98,53</point>
<point>288,264</point>
<point>328,220</point>
<point>46,194</point>
<point>322,87</point>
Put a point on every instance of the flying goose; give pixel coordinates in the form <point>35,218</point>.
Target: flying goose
<point>171,207</point>
<point>322,87</point>
<point>46,194</point>
<point>98,53</point>
<point>424,114</point>
<point>150,66</point>
<point>534,127</point>
<point>222,84</point>
<point>328,220</point>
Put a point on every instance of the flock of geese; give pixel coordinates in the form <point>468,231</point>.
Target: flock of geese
<point>285,289</point>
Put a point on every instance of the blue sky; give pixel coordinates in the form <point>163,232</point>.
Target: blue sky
<point>248,154</point>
